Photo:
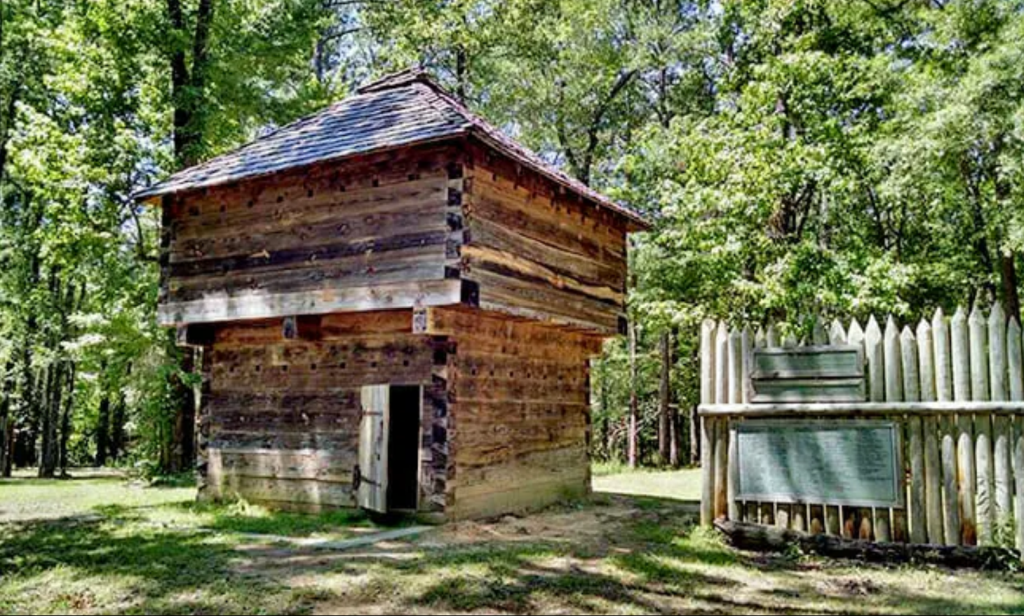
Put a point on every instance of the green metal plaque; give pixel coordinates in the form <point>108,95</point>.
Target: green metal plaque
<point>852,462</point>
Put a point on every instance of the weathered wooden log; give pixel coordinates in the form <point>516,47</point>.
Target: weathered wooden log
<point>707,426</point>
<point>759,538</point>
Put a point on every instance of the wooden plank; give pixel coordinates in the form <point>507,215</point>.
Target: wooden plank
<point>961,370</point>
<point>832,519</point>
<point>733,476</point>
<point>932,436</point>
<point>769,391</point>
<point>373,448</point>
<point>747,344</point>
<point>818,362</point>
<point>268,305</point>
<point>1014,361</point>
<point>918,512</point>
<point>734,366</point>
<point>707,426</point>
<point>722,363</point>
<point>837,335</point>
<point>873,351</point>
<point>893,362</point>
<point>980,391</point>
<point>1018,464</point>
<point>943,357</point>
<point>1001,502</point>
<point>721,466</point>
<point>997,359</point>
<point>926,362</point>
<point>951,526</point>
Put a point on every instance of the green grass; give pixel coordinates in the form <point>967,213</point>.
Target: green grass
<point>681,485</point>
<point>107,546</point>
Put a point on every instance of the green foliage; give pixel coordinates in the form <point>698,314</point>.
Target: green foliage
<point>797,158</point>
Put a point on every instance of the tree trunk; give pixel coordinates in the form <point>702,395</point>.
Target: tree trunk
<point>117,420</point>
<point>183,451</point>
<point>65,420</point>
<point>48,448</point>
<point>634,402</point>
<point>664,412</point>
<point>103,431</point>
<point>6,420</point>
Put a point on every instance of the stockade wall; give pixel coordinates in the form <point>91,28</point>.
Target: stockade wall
<point>953,387</point>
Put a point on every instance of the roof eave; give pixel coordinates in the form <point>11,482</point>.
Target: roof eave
<point>637,222</point>
<point>152,194</point>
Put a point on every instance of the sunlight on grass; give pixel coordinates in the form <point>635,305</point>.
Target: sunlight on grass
<point>148,550</point>
<point>680,485</point>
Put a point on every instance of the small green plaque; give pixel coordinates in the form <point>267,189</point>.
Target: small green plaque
<point>853,463</point>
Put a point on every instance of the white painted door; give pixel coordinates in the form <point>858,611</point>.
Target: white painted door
<point>373,449</point>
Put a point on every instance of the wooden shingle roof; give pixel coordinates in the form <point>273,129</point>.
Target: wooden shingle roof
<point>401,109</point>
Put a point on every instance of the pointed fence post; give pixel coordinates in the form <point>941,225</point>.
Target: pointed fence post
<point>932,436</point>
<point>707,396</point>
<point>999,332</point>
<point>961,363</point>
<point>837,335</point>
<point>912,393</point>
<point>944,393</point>
<point>876,361</point>
<point>984,489</point>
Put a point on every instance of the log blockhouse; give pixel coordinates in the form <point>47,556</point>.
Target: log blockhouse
<point>396,306</point>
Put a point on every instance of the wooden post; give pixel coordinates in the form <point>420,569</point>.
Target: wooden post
<point>1018,464</point>
<point>915,430</point>
<point>983,494</point>
<point>893,362</point>
<point>944,393</point>
<point>707,396</point>
<point>733,478</point>
<point>861,520</point>
<point>999,373</point>
<point>772,337</point>
<point>930,430</point>
<point>735,367</point>
<point>721,468</point>
<point>818,335</point>
<point>1015,377</point>
<point>722,364</point>
<point>746,359</point>
<point>961,363</point>
<point>876,361</point>
<point>837,335</point>
<point>721,435</point>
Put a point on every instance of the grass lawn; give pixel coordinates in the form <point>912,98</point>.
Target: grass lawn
<point>682,485</point>
<point>102,545</point>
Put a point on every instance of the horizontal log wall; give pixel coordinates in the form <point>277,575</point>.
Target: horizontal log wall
<point>365,234</point>
<point>281,417</point>
<point>954,387</point>
<point>519,412</point>
<point>538,253</point>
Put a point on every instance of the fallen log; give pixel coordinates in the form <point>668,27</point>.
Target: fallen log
<point>758,538</point>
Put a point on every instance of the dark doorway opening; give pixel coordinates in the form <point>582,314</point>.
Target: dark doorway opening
<point>404,447</point>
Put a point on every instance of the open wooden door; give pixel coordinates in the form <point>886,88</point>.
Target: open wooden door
<point>372,476</point>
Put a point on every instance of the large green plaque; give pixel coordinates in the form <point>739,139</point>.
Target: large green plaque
<point>838,462</point>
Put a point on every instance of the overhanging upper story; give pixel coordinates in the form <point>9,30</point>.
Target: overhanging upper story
<point>397,197</point>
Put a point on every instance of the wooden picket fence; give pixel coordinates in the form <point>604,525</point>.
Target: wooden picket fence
<point>954,387</point>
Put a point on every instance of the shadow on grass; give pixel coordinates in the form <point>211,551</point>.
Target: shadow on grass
<point>653,561</point>
<point>244,518</point>
<point>136,569</point>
